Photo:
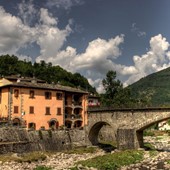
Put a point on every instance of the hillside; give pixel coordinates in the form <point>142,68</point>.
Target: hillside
<point>155,87</point>
<point>11,65</point>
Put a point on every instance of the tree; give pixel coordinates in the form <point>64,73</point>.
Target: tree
<point>115,95</point>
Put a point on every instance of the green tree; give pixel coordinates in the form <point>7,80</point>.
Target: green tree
<point>115,95</point>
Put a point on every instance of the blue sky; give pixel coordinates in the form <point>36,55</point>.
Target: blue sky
<point>91,37</point>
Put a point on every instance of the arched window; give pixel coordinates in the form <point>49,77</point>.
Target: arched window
<point>53,124</point>
<point>77,124</point>
<point>68,124</point>
<point>16,122</point>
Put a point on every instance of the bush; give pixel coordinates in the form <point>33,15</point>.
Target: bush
<point>148,133</point>
<point>40,134</point>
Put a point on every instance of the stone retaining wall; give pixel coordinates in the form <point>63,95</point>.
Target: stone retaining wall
<point>20,140</point>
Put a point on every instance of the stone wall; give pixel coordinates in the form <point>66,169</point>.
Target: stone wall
<point>107,134</point>
<point>20,140</point>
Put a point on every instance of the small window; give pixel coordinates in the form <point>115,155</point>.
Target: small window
<point>31,109</point>
<point>32,126</point>
<point>47,112</point>
<point>16,109</point>
<point>47,95</point>
<point>31,94</point>
<point>58,110</point>
<point>16,92</point>
<point>59,96</point>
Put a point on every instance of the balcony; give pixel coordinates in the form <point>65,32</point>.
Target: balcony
<point>73,117</point>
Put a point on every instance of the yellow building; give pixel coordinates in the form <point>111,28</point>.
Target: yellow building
<point>35,104</point>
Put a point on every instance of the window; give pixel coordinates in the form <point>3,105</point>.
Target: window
<point>32,126</point>
<point>31,109</point>
<point>47,112</point>
<point>47,95</point>
<point>31,94</point>
<point>16,92</point>
<point>58,110</point>
<point>59,96</point>
<point>16,109</point>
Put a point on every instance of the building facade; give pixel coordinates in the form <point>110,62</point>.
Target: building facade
<point>37,105</point>
<point>93,101</point>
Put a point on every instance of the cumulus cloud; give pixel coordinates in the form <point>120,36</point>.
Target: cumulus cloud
<point>98,58</point>
<point>14,34</point>
<point>46,18</point>
<point>27,11</point>
<point>156,59</point>
<point>98,51</point>
<point>51,38</point>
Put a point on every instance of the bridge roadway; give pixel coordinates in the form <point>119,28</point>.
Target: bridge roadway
<point>126,124</point>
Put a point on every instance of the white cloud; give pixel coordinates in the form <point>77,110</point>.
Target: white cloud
<point>27,11</point>
<point>51,38</point>
<point>98,54</point>
<point>156,59</point>
<point>66,4</point>
<point>141,33</point>
<point>137,30</point>
<point>98,84</point>
<point>14,34</point>
<point>98,58</point>
<point>46,18</point>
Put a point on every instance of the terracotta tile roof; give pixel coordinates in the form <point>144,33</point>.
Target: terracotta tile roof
<point>46,86</point>
<point>29,82</point>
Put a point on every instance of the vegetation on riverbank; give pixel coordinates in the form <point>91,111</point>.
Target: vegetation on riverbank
<point>82,150</point>
<point>26,157</point>
<point>112,161</point>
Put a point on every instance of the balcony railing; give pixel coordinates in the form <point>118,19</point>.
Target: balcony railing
<point>73,116</point>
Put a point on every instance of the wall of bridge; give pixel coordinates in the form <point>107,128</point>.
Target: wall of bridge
<point>127,125</point>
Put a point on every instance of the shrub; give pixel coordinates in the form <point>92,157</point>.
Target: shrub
<point>148,133</point>
<point>50,133</point>
<point>40,134</point>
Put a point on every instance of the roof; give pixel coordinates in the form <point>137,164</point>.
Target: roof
<point>25,79</point>
<point>93,97</point>
<point>36,85</point>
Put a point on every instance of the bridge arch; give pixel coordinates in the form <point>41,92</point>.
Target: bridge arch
<point>141,127</point>
<point>94,132</point>
<point>148,123</point>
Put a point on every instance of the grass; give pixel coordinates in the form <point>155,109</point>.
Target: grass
<point>82,150</point>
<point>153,153</point>
<point>42,168</point>
<point>168,161</point>
<point>149,146</point>
<point>113,161</point>
<point>26,157</point>
<point>159,137</point>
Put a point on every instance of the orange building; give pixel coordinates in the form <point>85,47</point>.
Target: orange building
<point>35,104</point>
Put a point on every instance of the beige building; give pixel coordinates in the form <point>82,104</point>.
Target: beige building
<point>35,104</point>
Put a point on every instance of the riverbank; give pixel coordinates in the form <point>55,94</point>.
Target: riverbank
<point>55,161</point>
<point>153,160</point>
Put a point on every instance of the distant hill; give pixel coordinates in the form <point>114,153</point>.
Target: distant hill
<point>155,87</point>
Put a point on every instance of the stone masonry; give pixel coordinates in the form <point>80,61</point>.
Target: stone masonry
<point>127,124</point>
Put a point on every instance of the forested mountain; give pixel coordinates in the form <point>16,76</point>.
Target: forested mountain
<point>155,88</point>
<point>11,65</point>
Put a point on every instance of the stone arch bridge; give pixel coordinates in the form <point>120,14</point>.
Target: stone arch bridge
<point>126,124</point>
